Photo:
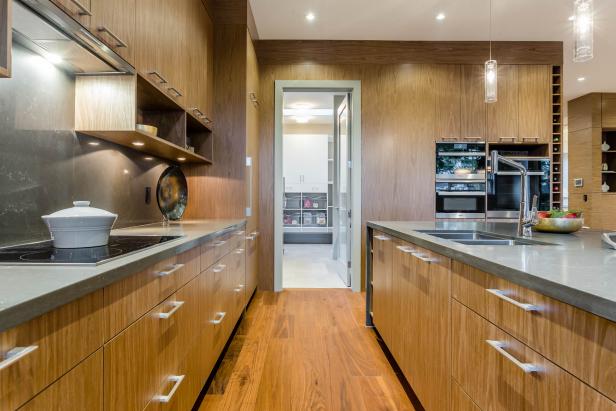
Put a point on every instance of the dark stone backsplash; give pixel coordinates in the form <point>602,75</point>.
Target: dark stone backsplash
<point>44,165</point>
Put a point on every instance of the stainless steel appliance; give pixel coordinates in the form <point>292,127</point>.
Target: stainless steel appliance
<point>504,187</point>
<point>461,180</point>
<point>460,199</point>
<point>460,161</point>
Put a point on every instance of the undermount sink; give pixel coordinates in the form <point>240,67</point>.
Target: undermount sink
<point>481,238</point>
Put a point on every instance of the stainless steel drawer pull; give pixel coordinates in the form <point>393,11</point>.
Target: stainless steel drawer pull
<point>240,251</point>
<point>219,243</point>
<point>219,268</point>
<point>503,296</point>
<point>535,139</point>
<point>241,232</point>
<point>119,41</point>
<point>160,76</point>
<point>83,10</point>
<point>175,91</point>
<point>406,249</point>
<point>221,316</point>
<point>250,237</point>
<point>382,237</point>
<point>176,306</point>
<point>15,354</point>
<point>238,289</point>
<point>172,270</point>
<point>507,138</point>
<point>500,346</point>
<point>449,138</point>
<point>473,138</point>
<point>424,258</point>
<point>197,112</point>
<point>177,380</point>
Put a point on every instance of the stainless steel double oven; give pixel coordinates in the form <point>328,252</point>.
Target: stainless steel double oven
<point>461,180</point>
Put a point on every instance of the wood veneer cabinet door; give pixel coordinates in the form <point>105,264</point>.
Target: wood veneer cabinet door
<point>60,339</point>
<point>80,389</point>
<point>448,101</point>
<point>402,273</point>
<point>503,115</point>
<point>382,260</point>
<point>79,10</point>
<point>608,110</point>
<point>428,342</point>
<point>535,103</point>
<point>200,46</point>
<point>460,401</point>
<point>473,109</point>
<point>252,263</point>
<point>113,22</point>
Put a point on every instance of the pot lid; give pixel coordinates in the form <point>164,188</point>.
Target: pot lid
<point>81,209</point>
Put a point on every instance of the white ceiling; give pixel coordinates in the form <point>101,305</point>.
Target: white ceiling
<point>317,107</point>
<point>465,20</point>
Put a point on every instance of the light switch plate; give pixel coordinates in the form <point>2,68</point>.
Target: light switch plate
<point>578,182</point>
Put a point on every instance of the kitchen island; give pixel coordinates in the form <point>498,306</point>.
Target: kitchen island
<point>495,326</point>
<point>135,332</point>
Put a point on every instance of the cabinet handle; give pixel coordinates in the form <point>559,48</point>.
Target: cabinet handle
<point>512,139</point>
<point>449,138</point>
<point>473,138</point>
<point>405,249</point>
<point>253,98</point>
<point>160,77</point>
<point>170,271</point>
<point>237,289</point>
<point>221,316</point>
<point>197,112</point>
<point>239,251</point>
<point>382,237</point>
<point>177,380</point>
<point>425,258</point>
<point>207,120</point>
<point>501,294</point>
<point>219,268</point>
<point>536,139</point>
<point>220,243</point>
<point>83,10</point>
<point>176,306</point>
<point>119,41</point>
<point>174,91</point>
<point>499,346</point>
<point>15,354</point>
<point>250,237</point>
<point>241,232</point>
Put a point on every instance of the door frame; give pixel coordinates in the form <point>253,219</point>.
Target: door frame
<point>350,86</point>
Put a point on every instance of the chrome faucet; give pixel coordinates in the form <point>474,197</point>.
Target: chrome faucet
<point>526,219</point>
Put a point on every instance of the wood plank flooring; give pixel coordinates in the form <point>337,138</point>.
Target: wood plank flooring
<point>305,349</point>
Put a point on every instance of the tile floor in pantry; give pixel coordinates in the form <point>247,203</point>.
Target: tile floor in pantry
<point>310,266</point>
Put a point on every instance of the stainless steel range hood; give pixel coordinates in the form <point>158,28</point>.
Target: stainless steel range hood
<point>46,30</point>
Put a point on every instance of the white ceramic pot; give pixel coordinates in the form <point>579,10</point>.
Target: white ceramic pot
<point>80,226</point>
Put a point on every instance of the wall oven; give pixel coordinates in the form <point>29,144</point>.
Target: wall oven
<point>460,161</point>
<point>504,188</point>
<point>460,199</point>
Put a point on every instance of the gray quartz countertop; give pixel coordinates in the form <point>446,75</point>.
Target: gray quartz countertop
<point>577,270</point>
<point>27,291</point>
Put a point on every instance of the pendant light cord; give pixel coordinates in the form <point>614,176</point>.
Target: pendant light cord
<point>490,30</point>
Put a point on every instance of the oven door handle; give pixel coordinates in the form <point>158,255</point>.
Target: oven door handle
<point>461,154</point>
<point>517,173</point>
<point>461,193</point>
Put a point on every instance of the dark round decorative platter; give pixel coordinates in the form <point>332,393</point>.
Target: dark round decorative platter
<point>172,193</point>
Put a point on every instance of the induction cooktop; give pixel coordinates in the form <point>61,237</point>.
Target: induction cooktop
<point>43,252</point>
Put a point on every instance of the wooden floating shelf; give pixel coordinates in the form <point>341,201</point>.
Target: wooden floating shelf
<point>608,172</point>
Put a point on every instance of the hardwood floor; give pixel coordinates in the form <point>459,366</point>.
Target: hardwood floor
<point>305,350</point>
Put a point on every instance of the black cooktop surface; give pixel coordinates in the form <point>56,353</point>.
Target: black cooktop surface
<point>44,252</point>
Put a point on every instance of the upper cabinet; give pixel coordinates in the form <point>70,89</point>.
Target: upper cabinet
<point>447,84</point>
<point>534,103</point>
<point>113,22</point>
<point>473,107</point>
<point>5,38</point>
<point>78,9</point>
<point>503,115</point>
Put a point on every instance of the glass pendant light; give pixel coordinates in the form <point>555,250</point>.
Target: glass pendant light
<point>583,30</point>
<point>491,70</point>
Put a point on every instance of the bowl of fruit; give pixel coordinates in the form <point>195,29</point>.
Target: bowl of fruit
<point>559,221</point>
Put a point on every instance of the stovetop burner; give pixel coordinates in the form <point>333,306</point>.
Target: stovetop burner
<point>44,252</point>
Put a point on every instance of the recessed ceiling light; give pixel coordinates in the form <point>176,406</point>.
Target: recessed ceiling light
<point>440,16</point>
<point>580,79</point>
<point>310,16</point>
<point>94,143</point>
<point>571,18</point>
<point>138,143</point>
<point>125,171</point>
<point>181,158</point>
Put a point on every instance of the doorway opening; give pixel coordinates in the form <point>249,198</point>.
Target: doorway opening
<point>315,174</point>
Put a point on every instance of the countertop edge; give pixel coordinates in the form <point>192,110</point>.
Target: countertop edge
<point>35,307</point>
<point>588,302</point>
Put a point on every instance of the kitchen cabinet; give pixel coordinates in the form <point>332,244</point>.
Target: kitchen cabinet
<point>79,10</point>
<point>534,104</point>
<point>473,109</point>
<point>502,116</point>
<point>6,39</point>
<point>382,287</point>
<point>305,159</point>
<point>113,22</point>
<point>448,99</point>
<point>608,110</point>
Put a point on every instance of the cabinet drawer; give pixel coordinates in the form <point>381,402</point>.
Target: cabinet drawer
<point>214,250</point>
<point>130,298</point>
<point>80,389</point>
<point>49,345</point>
<point>191,266</point>
<point>460,401</point>
<point>581,343</point>
<point>499,372</point>
<point>382,257</point>
<point>237,281</point>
